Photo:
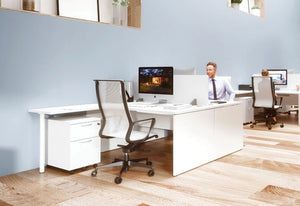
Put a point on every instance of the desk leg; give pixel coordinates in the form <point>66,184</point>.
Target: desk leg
<point>298,109</point>
<point>42,142</point>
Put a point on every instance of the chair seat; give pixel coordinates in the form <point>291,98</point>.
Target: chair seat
<point>275,107</point>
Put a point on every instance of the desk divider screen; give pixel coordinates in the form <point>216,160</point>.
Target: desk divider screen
<point>190,87</point>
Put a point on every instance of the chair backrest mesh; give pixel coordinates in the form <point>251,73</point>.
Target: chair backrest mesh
<point>263,91</point>
<point>115,120</point>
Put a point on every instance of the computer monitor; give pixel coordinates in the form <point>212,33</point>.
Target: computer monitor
<point>156,80</point>
<point>279,76</point>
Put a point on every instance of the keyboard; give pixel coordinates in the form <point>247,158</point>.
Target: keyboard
<point>177,106</point>
<point>164,106</point>
<point>218,102</point>
<point>140,104</point>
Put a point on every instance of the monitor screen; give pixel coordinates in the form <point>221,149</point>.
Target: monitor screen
<point>156,80</point>
<point>279,76</point>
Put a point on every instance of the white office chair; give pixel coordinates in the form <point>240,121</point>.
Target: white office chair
<point>264,97</point>
<point>116,122</point>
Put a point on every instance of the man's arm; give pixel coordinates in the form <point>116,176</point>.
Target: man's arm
<point>229,90</point>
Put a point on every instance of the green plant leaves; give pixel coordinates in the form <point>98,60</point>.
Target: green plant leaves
<point>122,3</point>
<point>236,1</point>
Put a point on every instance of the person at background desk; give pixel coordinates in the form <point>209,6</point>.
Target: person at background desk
<point>218,88</point>
<point>273,112</point>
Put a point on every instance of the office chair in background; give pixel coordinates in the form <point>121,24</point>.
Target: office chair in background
<point>264,97</point>
<point>116,122</point>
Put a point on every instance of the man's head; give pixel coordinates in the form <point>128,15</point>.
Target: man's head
<point>211,69</point>
<point>264,72</point>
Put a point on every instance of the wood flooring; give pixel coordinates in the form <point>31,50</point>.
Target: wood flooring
<point>265,172</point>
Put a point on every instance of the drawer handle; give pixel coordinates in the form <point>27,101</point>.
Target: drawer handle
<point>86,125</point>
<point>87,141</point>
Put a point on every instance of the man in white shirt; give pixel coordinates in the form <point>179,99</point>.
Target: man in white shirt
<point>217,88</point>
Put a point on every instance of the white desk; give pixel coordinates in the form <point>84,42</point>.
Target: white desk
<point>279,92</point>
<point>200,134</point>
<point>44,112</point>
<point>290,92</point>
<point>242,92</point>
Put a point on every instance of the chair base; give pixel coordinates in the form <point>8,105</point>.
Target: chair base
<point>126,163</point>
<point>268,121</point>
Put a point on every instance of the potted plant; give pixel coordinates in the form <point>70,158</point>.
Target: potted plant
<point>236,4</point>
<point>255,10</point>
<point>120,12</point>
<point>124,3</point>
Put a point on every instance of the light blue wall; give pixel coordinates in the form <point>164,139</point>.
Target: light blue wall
<point>48,61</point>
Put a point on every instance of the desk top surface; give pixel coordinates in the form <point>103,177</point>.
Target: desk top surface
<point>158,109</point>
<point>65,109</point>
<point>283,91</point>
<point>161,109</point>
<point>237,92</point>
<point>280,91</point>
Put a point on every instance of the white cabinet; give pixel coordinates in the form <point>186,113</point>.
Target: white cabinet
<point>228,130</point>
<point>73,142</point>
<point>248,111</point>
<point>205,135</point>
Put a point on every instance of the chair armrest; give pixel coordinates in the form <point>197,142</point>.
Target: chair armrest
<point>146,120</point>
<point>150,120</point>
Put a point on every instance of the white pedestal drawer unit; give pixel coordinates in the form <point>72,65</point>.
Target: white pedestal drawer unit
<point>73,142</point>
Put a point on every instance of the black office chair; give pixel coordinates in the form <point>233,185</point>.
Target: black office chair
<point>264,97</point>
<point>116,122</point>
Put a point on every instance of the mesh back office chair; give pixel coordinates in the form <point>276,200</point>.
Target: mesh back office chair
<point>264,97</point>
<point>116,122</point>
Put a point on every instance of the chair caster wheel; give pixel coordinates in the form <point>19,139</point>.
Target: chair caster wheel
<point>269,127</point>
<point>151,173</point>
<point>118,180</point>
<point>148,163</point>
<point>94,173</point>
<point>282,125</point>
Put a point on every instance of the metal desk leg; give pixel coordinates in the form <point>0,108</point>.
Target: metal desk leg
<point>42,142</point>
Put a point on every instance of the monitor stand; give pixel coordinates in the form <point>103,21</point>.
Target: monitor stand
<point>162,101</point>
<point>159,100</point>
<point>155,98</point>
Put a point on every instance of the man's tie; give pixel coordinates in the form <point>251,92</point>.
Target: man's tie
<point>214,89</point>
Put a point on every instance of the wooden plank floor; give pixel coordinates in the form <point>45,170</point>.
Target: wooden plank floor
<point>266,172</point>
